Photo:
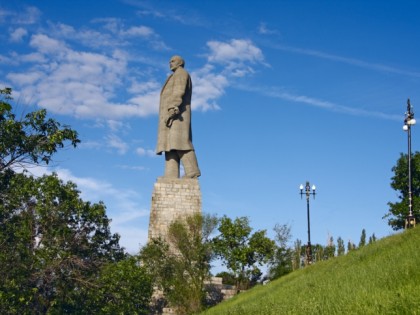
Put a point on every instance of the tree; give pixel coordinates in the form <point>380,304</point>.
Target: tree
<point>350,246</point>
<point>122,287</point>
<point>341,250</point>
<point>298,254</point>
<point>398,211</point>
<point>52,245</point>
<point>180,266</point>
<point>281,264</point>
<point>57,253</point>
<point>318,252</point>
<point>372,238</point>
<point>242,252</point>
<point>31,140</point>
<point>362,239</point>
<point>192,263</point>
<point>227,277</point>
<point>329,251</point>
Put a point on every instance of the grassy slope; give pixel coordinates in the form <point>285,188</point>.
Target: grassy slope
<point>382,278</point>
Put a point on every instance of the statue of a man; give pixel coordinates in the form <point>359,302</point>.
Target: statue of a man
<point>174,134</point>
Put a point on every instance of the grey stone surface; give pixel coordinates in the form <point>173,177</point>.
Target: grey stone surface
<point>174,130</point>
<point>172,198</point>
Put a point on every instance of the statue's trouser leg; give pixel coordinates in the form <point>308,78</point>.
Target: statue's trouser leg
<point>172,164</point>
<point>189,161</point>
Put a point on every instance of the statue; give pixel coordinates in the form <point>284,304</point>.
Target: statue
<point>174,132</point>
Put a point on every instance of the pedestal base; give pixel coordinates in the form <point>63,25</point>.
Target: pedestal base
<point>172,199</point>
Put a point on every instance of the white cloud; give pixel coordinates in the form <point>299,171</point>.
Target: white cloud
<point>146,33</point>
<point>140,31</point>
<point>146,103</point>
<point>86,84</point>
<point>132,168</point>
<point>121,33</point>
<point>350,61</point>
<point>25,16</point>
<point>3,15</point>
<point>47,45</point>
<point>90,145</point>
<point>153,13</point>
<point>18,34</point>
<point>88,37</point>
<point>115,142</point>
<point>280,94</point>
<point>32,58</point>
<point>145,152</point>
<point>144,87</point>
<point>234,50</point>
<point>116,125</point>
<point>80,83</point>
<point>26,79</point>
<point>8,60</point>
<point>113,34</point>
<point>171,14</point>
<point>111,24</point>
<point>29,15</point>
<point>263,29</point>
<point>236,55</point>
<point>208,87</point>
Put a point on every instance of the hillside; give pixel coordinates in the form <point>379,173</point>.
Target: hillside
<point>381,278</point>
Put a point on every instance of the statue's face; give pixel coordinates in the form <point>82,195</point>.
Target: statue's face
<point>174,63</point>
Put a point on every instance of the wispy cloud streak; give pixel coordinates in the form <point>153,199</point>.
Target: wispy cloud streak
<point>350,61</point>
<point>326,105</point>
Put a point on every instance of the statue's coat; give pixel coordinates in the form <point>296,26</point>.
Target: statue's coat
<point>176,92</point>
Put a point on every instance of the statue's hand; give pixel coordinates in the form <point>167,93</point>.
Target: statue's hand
<point>173,111</point>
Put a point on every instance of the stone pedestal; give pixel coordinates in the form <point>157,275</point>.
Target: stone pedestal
<point>172,198</point>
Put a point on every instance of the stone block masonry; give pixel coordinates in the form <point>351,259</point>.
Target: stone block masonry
<point>172,198</point>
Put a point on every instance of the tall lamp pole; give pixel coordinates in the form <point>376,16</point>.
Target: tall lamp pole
<point>409,121</point>
<point>308,192</point>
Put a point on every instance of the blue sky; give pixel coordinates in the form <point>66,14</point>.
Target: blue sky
<point>283,92</point>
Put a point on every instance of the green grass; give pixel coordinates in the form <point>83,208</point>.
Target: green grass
<point>381,278</point>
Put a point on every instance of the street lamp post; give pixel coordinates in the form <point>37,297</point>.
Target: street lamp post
<point>308,192</point>
<point>409,121</point>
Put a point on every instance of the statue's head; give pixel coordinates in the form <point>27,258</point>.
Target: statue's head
<point>175,62</point>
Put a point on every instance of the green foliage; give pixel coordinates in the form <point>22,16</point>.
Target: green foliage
<point>282,262</point>
<point>33,139</point>
<point>159,263</point>
<point>329,251</point>
<point>57,254</point>
<point>362,239</point>
<point>398,211</point>
<point>227,278</point>
<point>297,261</point>
<point>372,238</point>
<point>317,252</point>
<point>241,251</point>
<point>180,267</point>
<point>341,250</point>
<point>351,246</point>
<point>192,264</point>
<point>382,278</point>
<point>51,244</point>
<point>123,287</point>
